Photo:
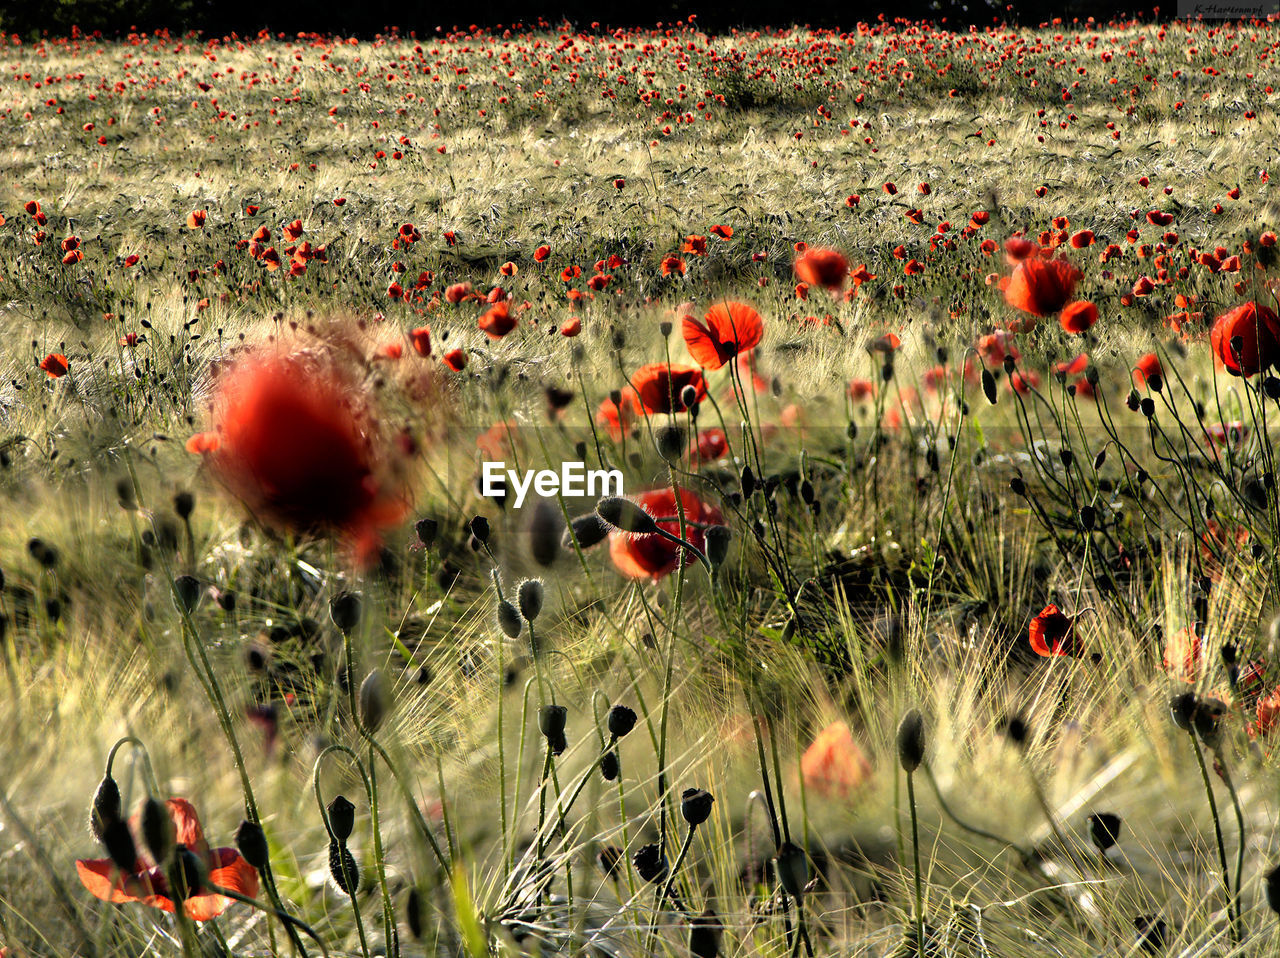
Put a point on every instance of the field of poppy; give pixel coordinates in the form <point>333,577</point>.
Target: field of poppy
<point>937,615</point>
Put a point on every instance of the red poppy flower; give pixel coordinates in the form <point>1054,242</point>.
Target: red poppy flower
<point>1149,371</point>
<point>497,321</point>
<point>455,359</point>
<point>1182,654</point>
<point>618,417</point>
<point>298,443</point>
<point>819,266</point>
<point>541,253</point>
<point>861,389</point>
<point>1077,317</point>
<point>711,445</point>
<point>697,245</point>
<point>673,264</point>
<point>661,387</point>
<point>731,328</point>
<point>55,365</point>
<point>421,340</point>
<point>1018,248</point>
<point>572,327</point>
<point>650,555</point>
<point>724,232</point>
<point>1041,287</point>
<point>833,766</point>
<point>196,218</point>
<point>1075,367</point>
<point>1081,239</point>
<point>148,884</point>
<point>1053,633</point>
<point>1258,330</point>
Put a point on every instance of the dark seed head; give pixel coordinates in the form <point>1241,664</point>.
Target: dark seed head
<point>704,935</point>
<point>184,503</point>
<point>342,818</point>
<point>118,841</point>
<point>509,620</point>
<point>158,833</point>
<point>695,806</point>
<point>252,843</point>
<point>427,530</point>
<point>621,720</point>
<point>793,868</point>
<point>530,598</point>
<point>650,864</point>
<point>413,913</point>
<point>344,610</point>
<point>186,593</point>
<point>588,530</point>
<point>1104,829</point>
<point>911,740</point>
<point>105,808</point>
<point>480,529</point>
<point>609,766</point>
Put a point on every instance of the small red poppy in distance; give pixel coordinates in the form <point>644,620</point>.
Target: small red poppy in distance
<point>148,884</point>
<point>497,321</point>
<point>196,218</point>
<point>618,417</point>
<point>731,328</point>
<point>1258,330</point>
<point>833,766</point>
<point>661,387</point>
<point>819,266</point>
<point>55,365</point>
<point>1041,287</point>
<point>455,359</point>
<point>1053,633</point>
<point>650,556</point>
<point>724,232</point>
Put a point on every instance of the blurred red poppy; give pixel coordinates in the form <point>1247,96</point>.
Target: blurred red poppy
<point>55,365</point>
<point>421,340</point>
<point>652,556</point>
<point>833,766</point>
<point>661,387</point>
<point>724,232</point>
<point>148,884</point>
<point>1041,287</point>
<point>497,321</point>
<point>618,417</point>
<point>731,328</point>
<point>819,266</point>
<point>1079,316</point>
<point>455,359</point>
<point>196,218</point>
<point>1053,633</point>
<point>711,445</point>
<point>1148,370</point>
<point>697,245</point>
<point>1258,330</point>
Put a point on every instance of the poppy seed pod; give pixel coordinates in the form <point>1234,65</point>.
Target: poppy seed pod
<point>551,720</point>
<point>343,868</point>
<point>184,503</point>
<point>530,598</point>
<point>665,328</point>
<point>342,818</point>
<point>252,843</point>
<point>911,740</point>
<point>989,386</point>
<point>1104,829</point>
<point>650,863</point>
<point>609,857</point>
<point>718,539</point>
<point>186,593</point>
<point>1182,708</point>
<point>609,766</point>
<point>373,700</point>
<point>621,720</point>
<point>118,841</point>
<point>509,620</point>
<point>587,530</point>
<point>344,610</point>
<point>626,515</point>
<point>157,828</point>
<point>793,868</point>
<point>480,529</point>
<point>105,808</point>
<point>188,874</point>
<point>426,530</point>
<point>704,935</point>
<point>695,806</point>
<point>688,396</point>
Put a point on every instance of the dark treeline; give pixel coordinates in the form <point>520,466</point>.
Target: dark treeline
<point>367,17</point>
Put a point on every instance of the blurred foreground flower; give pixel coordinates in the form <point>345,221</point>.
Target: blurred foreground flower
<point>834,766</point>
<point>649,555</point>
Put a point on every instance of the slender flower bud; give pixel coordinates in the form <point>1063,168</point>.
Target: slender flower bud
<point>252,843</point>
<point>118,841</point>
<point>530,598</point>
<point>373,700</point>
<point>609,767</point>
<point>157,828</point>
<point>509,620</point>
<point>989,386</point>
<point>413,913</point>
<point>342,818</point>
<point>626,515</point>
<point>343,868</point>
<point>911,740</point>
<point>105,808</point>
<point>187,875</point>
<point>344,610</point>
<point>718,539</point>
<point>551,720</point>
<point>480,529</point>
<point>587,530</point>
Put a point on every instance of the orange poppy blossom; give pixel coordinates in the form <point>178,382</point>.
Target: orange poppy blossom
<point>1041,286</point>
<point>420,338</point>
<point>731,328</point>
<point>196,218</point>
<point>1258,330</point>
<point>819,266</point>
<point>1149,371</point>
<point>55,365</point>
<point>1078,317</point>
<point>660,387</point>
<point>833,766</point>
<point>497,321</point>
<point>1052,633</point>
<point>618,417</point>
<point>651,556</point>
<point>710,445</point>
<point>148,884</point>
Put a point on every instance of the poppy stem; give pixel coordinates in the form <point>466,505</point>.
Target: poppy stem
<point>915,851</point>
<point>1217,830</point>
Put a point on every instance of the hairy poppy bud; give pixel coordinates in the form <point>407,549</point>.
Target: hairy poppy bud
<point>650,863</point>
<point>252,843</point>
<point>609,766</point>
<point>793,868</point>
<point>587,530</point>
<point>118,841</point>
<point>373,700</point>
<point>671,442</point>
<point>105,808</point>
<point>620,720</point>
<point>1018,486</point>
<point>1271,387</point>
<point>748,481</point>
<point>480,529</point>
<point>1104,829</point>
<point>911,740</point>
<point>186,593</point>
<point>188,874</point>
<point>695,806</point>
<point>688,396</point>
<point>157,828</point>
<point>718,539</point>
<point>544,532</point>
<point>1088,517</point>
<point>1009,363</point>
<point>665,328</point>
<point>1099,459</point>
<point>704,935</point>
<point>1208,722</point>
<point>344,610</point>
<point>1182,707</point>
<point>622,513</point>
<point>184,503</point>
<point>343,868</point>
<point>989,386</point>
<point>413,910</point>
<point>427,530</point>
<point>342,818</point>
<point>1148,406</point>
<point>551,720</point>
<point>509,620</point>
<point>1271,884</point>
<point>530,598</point>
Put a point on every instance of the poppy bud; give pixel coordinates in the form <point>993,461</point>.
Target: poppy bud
<point>626,515</point>
<point>124,494</point>
<point>688,396</point>
<point>186,593</point>
<point>1133,401</point>
<point>650,863</point>
<point>105,808</point>
<point>588,530</point>
<point>42,552</point>
<point>1182,708</point>
<point>609,766</point>
<point>188,874</point>
<point>544,531</point>
<point>717,539</point>
<point>413,913</point>
<point>695,806</point>
<point>480,529</point>
<point>670,442</point>
<point>551,720</point>
<point>1092,376</point>
<point>158,832</point>
<point>1016,729</point>
<point>509,620</point>
<point>1153,933</point>
<point>426,530</point>
<point>620,720</point>
<point>184,503</point>
<point>252,843</point>
<point>344,610</point>
<point>226,600</point>
<point>989,386</point>
<point>1088,516</point>
<point>1104,829</point>
<point>1271,884</point>
<point>530,598</point>
<point>1148,406</point>
<point>1009,363</point>
<point>342,818</point>
<point>609,857</point>
<point>911,740</point>
<point>1018,486</point>
<point>665,328</point>
<point>704,935</point>
<point>1099,459</point>
<point>793,868</point>
<point>748,480</point>
<point>1208,722</point>
<point>118,841</point>
<point>1271,386</point>
<point>343,868</point>
<point>373,700</point>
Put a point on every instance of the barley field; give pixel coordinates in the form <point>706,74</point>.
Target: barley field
<point>883,555</point>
